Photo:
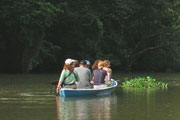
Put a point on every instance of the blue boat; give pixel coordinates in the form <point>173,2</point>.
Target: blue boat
<point>88,92</point>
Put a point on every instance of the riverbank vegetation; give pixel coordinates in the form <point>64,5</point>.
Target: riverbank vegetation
<point>38,35</point>
<point>144,82</point>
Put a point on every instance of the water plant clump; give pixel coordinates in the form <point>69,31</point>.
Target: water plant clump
<point>144,82</point>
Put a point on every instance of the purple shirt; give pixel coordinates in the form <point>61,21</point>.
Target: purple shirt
<point>99,76</point>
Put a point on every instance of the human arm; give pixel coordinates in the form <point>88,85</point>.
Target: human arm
<point>92,80</point>
<point>58,86</point>
<point>61,79</point>
<point>89,75</point>
<point>106,79</point>
<point>106,76</point>
<point>110,71</point>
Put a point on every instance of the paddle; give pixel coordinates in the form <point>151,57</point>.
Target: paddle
<point>55,82</point>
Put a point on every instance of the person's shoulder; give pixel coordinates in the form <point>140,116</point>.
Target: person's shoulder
<point>95,70</point>
<point>104,68</point>
<point>109,69</point>
<point>76,68</point>
<point>103,71</point>
<point>87,69</point>
<point>84,69</point>
<point>65,72</point>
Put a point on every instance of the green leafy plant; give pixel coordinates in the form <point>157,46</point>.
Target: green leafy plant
<point>144,82</point>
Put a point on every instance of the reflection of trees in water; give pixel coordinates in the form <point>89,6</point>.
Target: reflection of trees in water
<point>144,103</point>
<point>141,94</point>
<point>98,108</point>
<point>147,93</point>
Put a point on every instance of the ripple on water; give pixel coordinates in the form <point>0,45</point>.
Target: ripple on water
<point>22,98</point>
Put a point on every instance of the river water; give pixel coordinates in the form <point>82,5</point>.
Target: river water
<point>32,97</point>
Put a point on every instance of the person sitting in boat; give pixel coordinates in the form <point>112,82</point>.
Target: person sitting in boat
<point>67,78</point>
<point>108,69</point>
<point>84,75</point>
<point>99,76</point>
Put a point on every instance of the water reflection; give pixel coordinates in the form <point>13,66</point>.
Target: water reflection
<point>148,94</point>
<point>31,97</point>
<point>97,108</point>
<point>152,104</point>
<point>140,91</point>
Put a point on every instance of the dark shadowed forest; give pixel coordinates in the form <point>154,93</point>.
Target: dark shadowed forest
<point>135,35</point>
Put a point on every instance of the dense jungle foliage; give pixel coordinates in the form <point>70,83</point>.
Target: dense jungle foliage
<point>135,35</point>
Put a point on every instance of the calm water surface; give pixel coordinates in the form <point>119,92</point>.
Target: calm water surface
<point>32,97</point>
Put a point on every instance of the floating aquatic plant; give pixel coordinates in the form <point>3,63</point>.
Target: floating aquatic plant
<point>144,82</point>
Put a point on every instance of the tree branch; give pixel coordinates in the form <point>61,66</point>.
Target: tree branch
<point>147,49</point>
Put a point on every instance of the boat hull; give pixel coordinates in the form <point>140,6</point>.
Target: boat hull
<point>88,92</point>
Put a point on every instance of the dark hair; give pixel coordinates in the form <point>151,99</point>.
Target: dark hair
<point>76,63</point>
<point>83,62</point>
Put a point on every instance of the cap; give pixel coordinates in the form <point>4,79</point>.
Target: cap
<point>87,62</point>
<point>68,61</point>
<point>83,62</point>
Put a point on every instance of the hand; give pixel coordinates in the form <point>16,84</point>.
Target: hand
<point>92,82</point>
<point>58,89</point>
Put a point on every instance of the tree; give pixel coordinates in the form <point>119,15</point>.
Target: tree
<point>27,22</point>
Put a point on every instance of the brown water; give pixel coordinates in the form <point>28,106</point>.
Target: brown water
<point>32,97</point>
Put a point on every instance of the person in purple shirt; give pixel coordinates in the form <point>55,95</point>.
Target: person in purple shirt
<point>99,76</point>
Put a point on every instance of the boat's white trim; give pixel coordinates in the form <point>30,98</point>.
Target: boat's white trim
<point>69,89</point>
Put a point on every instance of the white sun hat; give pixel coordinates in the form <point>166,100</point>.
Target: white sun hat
<point>68,61</point>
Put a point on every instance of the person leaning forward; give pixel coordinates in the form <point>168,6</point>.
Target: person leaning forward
<point>67,78</point>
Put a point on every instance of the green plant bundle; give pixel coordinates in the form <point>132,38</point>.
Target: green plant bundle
<point>144,82</point>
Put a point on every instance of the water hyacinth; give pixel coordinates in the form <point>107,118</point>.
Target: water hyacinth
<point>144,82</point>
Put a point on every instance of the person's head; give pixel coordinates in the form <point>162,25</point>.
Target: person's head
<point>100,65</point>
<point>87,64</point>
<point>75,63</point>
<point>106,63</point>
<point>95,65</point>
<point>82,63</point>
<point>68,65</point>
